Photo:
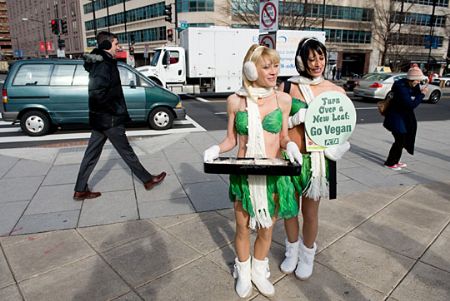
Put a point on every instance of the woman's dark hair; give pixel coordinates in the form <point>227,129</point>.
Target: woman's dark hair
<point>302,53</point>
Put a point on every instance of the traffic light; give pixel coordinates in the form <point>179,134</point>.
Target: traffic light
<point>131,50</point>
<point>55,26</point>
<point>63,26</point>
<point>170,34</point>
<point>168,12</point>
<point>61,43</point>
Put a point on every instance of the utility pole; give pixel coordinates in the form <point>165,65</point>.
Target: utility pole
<point>125,23</point>
<point>176,23</point>
<point>323,15</point>
<point>95,20</point>
<point>107,14</point>
<point>431,34</point>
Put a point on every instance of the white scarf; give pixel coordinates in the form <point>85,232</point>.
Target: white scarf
<point>256,149</point>
<point>318,185</point>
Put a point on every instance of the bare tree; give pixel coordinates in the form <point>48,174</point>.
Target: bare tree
<point>387,24</point>
<point>292,14</point>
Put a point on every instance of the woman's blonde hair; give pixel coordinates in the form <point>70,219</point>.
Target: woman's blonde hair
<point>254,54</point>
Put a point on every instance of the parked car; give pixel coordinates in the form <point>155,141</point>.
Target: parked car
<point>379,85</point>
<point>445,78</point>
<point>350,84</point>
<point>43,93</point>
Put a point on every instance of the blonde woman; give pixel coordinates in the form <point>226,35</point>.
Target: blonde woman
<point>258,124</point>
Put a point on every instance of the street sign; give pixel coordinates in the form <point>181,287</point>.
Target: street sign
<point>146,51</point>
<point>183,24</point>
<point>269,40</point>
<point>268,15</point>
<point>60,53</point>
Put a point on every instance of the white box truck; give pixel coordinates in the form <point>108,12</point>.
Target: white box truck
<point>210,59</point>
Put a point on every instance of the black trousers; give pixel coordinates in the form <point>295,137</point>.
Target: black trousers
<point>396,149</point>
<point>94,149</point>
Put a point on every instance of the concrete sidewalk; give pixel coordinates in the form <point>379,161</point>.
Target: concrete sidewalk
<point>385,238</point>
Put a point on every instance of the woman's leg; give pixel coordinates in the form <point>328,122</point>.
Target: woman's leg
<point>263,242</point>
<point>242,267</point>
<point>242,237</point>
<point>395,152</point>
<point>291,227</point>
<point>260,262</point>
<point>310,213</point>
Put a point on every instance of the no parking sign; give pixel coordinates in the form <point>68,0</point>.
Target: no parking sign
<point>268,40</point>
<point>268,15</point>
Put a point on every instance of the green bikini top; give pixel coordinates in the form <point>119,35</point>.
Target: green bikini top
<point>297,104</point>
<point>271,123</point>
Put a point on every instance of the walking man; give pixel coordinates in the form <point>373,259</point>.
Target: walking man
<point>107,115</point>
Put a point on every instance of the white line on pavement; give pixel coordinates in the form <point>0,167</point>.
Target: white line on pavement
<point>202,99</point>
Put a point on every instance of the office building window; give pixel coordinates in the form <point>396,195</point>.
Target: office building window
<point>308,10</point>
<point>145,35</point>
<point>184,6</point>
<point>413,39</point>
<point>142,13</point>
<point>442,3</point>
<point>417,19</point>
<point>101,4</point>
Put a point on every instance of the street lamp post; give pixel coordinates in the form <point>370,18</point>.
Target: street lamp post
<point>43,32</point>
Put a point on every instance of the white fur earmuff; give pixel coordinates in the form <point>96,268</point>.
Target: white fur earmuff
<point>300,63</point>
<point>250,71</point>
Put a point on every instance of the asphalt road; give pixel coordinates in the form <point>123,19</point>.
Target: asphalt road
<point>204,114</point>
<point>211,114</point>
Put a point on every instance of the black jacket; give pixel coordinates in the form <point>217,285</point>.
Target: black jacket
<point>400,117</point>
<point>107,107</point>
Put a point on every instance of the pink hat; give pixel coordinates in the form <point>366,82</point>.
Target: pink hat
<point>415,73</point>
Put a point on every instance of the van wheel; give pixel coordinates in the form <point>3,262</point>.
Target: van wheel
<point>160,118</point>
<point>35,123</point>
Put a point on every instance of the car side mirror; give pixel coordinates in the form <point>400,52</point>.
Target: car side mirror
<point>132,84</point>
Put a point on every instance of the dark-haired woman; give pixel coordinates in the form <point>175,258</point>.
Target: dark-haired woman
<point>312,184</point>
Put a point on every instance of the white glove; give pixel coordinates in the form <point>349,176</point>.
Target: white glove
<point>336,152</point>
<point>211,154</point>
<point>294,153</point>
<point>297,118</point>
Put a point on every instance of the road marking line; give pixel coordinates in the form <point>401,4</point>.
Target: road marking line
<point>220,113</point>
<point>130,133</point>
<point>202,99</point>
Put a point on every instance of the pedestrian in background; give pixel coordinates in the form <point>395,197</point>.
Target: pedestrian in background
<point>107,115</point>
<point>312,184</point>
<point>257,123</point>
<point>400,119</point>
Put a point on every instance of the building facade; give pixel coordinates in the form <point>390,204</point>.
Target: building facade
<point>31,29</point>
<point>5,38</point>
<point>361,34</point>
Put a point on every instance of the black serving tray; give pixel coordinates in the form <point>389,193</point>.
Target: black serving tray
<point>251,166</point>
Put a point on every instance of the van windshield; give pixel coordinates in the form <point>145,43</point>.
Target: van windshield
<point>155,58</point>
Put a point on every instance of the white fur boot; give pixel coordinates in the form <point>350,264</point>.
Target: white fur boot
<point>243,275</point>
<point>260,277</point>
<point>290,261</point>
<point>305,261</point>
